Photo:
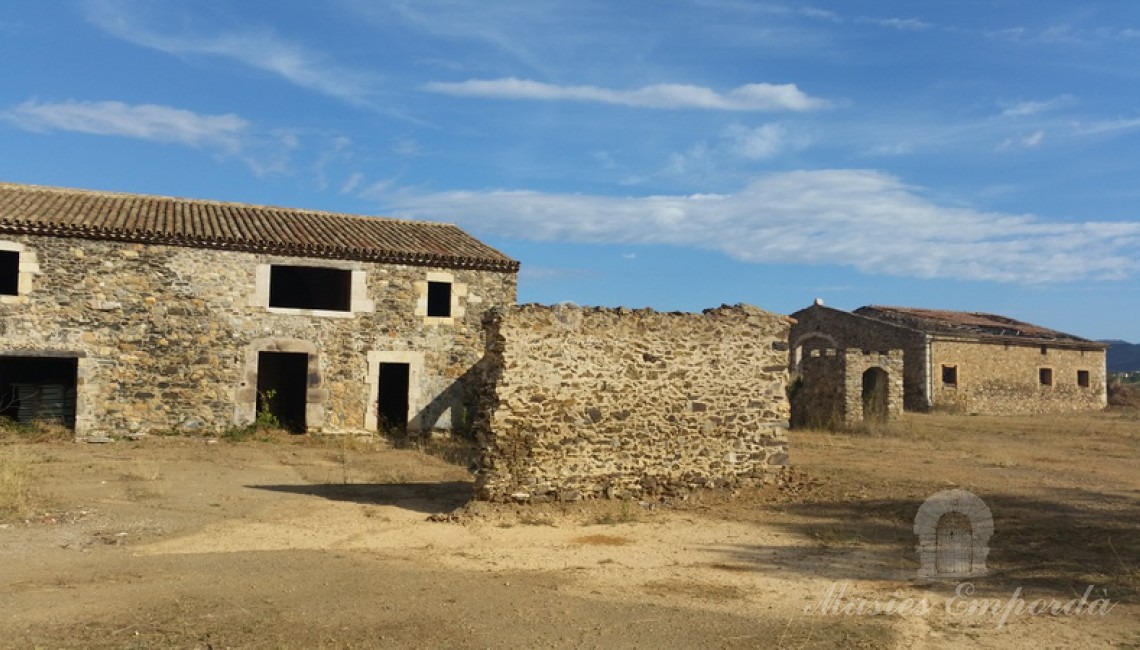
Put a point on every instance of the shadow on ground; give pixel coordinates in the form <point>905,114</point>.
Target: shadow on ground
<point>418,497</point>
<point>1061,544</point>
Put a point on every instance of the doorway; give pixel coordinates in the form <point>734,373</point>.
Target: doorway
<point>875,386</point>
<point>282,385</point>
<point>392,398</point>
<point>39,389</point>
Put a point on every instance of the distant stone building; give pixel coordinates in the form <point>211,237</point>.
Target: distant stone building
<point>963,361</point>
<point>843,388</point>
<point>123,313</point>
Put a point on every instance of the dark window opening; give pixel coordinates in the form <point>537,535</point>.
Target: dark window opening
<point>1045,376</point>
<point>9,273</point>
<point>439,299</point>
<point>1044,350</point>
<point>39,388</point>
<point>282,385</point>
<point>310,287</point>
<point>1083,378</point>
<point>392,401</point>
<point>950,375</point>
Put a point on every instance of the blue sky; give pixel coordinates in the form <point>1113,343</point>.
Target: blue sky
<point>973,155</point>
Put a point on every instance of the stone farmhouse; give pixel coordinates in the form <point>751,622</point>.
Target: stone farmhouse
<point>963,361</point>
<point>123,313</point>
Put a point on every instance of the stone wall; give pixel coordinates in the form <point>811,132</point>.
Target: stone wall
<point>995,378</point>
<point>819,328</point>
<point>603,402</point>
<point>834,389</point>
<point>167,337</point>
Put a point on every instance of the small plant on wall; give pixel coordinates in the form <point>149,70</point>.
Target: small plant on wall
<point>265,417</point>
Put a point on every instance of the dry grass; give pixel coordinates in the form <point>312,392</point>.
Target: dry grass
<point>602,540</point>
<point>16,493</point>
<point>38,431</point>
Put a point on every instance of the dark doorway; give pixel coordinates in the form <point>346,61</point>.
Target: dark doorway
<point>392,402</point>
<point>282,382</point>
<point>39,388</point>
<point>875,385</point>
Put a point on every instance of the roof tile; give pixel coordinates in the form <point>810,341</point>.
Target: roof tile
<point>61,212</point>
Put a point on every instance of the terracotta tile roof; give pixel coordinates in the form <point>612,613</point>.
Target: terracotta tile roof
<point>59,212</point>
<point>971,325</point>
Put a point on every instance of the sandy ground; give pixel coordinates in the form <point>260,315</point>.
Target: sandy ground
<point>178,542</point>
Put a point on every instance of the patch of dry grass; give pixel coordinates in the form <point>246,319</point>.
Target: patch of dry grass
<point>602,540</point>
<point>16,491</point>
<point>38,431</point>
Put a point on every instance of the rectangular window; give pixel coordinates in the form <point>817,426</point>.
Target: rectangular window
<point>950,375</point>
<point>1045,376</point>
<point>9,273</point>
<point>1083,378</point>
<point>310,287</point>
<point>439,299</point>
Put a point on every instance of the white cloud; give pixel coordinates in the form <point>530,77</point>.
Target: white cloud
<point>862,219</point>
<point>1023,142</point>
<point>749,97</point>
<point>762,142</point>
<point>1022,109</point>
<point>905,24</point>
<point>144,122</point>
<point>260,49</point>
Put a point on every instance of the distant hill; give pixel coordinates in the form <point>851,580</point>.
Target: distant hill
<point>1123,356</point>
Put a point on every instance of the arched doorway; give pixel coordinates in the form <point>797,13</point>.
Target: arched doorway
<point>875,388</point>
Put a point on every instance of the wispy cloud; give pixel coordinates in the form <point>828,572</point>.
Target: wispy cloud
<point>862,219</point>
<point>1103,127</point>
<point>1030,141</point>
<point>1022,109</point>
<point>905,24</point>
<point>749,97</point>
<point>257,48</point>
<point>226,135</point>
<point>143,122</point>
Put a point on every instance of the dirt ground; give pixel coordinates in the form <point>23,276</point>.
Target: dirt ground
<point>300,543</point>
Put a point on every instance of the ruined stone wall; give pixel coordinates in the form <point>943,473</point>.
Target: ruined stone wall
<point>166,335</point>
<point>831,394</point>
<point>604,402</point>
<point>994,378</point>
<point>819,328</point>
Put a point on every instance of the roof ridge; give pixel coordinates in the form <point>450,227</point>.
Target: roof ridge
<point>215,202</point>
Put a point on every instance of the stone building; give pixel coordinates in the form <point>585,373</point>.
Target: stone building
<point>842,388</point>
<point>963,361</point>
<point>587,402</point>
<point>123,313</point>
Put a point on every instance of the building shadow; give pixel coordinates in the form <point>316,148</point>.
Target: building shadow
<point>428,498</point>
<point>1052,545</point>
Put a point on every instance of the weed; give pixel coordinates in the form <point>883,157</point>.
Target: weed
<point>625,516</point>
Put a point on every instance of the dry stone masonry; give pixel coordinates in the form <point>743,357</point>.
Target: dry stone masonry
<point>842,388</point>
<point>591,402</point>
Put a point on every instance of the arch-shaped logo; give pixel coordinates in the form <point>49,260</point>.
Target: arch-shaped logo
<point>954,529</point>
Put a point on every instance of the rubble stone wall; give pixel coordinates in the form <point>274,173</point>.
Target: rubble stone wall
<point>165,335</point>
<point>998,379</point>
<point>591,402</point>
